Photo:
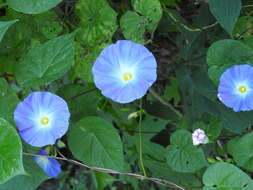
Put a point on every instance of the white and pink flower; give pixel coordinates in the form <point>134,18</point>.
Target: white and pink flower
<point>199,137</point>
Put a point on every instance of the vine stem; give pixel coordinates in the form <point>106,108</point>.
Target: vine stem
<point>140,143</point>
<point>160,99</point>
<point>247,6</point>
<point>187,27</point>
<point>109,171</point>
<point>83,93</point>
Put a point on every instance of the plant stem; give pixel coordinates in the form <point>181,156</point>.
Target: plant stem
<point>83,93</point>
<point>247,6</point>
<point>187,27</point>
<point>140,143</point>
<point>109,171</point>
<point>160,99</point>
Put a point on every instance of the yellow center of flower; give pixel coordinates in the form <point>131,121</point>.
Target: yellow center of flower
<point>44,120</point>
<point>242,89</point>
<point>127,76</point>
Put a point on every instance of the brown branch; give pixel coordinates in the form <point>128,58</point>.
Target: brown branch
<point>109,171</point>
<point>6,75</point>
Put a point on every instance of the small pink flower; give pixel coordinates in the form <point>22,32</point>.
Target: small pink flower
<point>199,137</point>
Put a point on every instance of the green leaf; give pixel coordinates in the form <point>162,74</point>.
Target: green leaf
<point>47,62</point>
<point>84,59</point>
<point>151,10</point>
<point>146,17</point>
<point>247,40</point>
<point>241,150</point>
<point>157,109</point>
<point>102,180</point>
<point>4,25</point>
<point>161,170</point>
<point>212,128</point>
<point>8,101</point>
<point>10,152</point>
<point>133,26</point>
<point>226,12</point>
<point>236,121</point>
<point>197,95</point>
<point>97,143</point>
<point>224,54</point>
<point>30,181</point>
<point>172,91</point>
<point>195,46</point>
<point>221,176</point>
<point>153,125</point>
<point>79,106</point>
<point>49,24</point>
<point>243,27</point>
<point>32,6</point>
<point>155,151</point>
<point>17,41</point>
<point>152,149</point>
<point>182,156</point>
<point>200,81</point>
<point>98,21</point>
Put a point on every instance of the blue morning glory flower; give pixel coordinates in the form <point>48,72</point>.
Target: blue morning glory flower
<point>236,88</point>
<point>49,165</point>
<point>42,118</point>
<point>124,71</point>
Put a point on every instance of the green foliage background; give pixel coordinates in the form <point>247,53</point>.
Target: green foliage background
<point>50,45</point>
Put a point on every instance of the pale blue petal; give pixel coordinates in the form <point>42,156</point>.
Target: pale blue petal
<point>54,170</point>
<point>229,81</point>
<point>51,167</point>
<point>28,114</point>
<point>123,57</point>
<point>38,138</point>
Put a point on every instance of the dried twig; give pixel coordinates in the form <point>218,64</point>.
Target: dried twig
<point>109,171</point>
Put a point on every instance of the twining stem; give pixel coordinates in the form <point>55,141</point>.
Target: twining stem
<point>247,6</point>
<point>83,93</point>
<point>221,147</point>
<point>242,33</point>
<point>187,27</point>
<point>140,142</point>
<point>109,171</point>
<point>160,99</point>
